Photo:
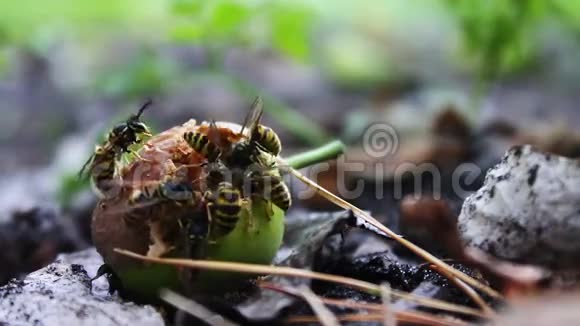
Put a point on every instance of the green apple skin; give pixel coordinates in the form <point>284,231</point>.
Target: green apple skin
<point>144,283</point>
<point>256,239</point>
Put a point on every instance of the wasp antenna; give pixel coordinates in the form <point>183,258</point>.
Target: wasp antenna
<point>145,105</point>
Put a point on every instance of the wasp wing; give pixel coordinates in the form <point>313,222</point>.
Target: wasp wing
<point>83,170</point>
<point>254,116</point>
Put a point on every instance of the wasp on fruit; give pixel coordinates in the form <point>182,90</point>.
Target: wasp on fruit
<point>171,190</point>
<point>103,165</point>
<point>202,144</point>
<point>262,140</point>
<point>209,190</point>
<point>269,185</point>
<point>224,207</point>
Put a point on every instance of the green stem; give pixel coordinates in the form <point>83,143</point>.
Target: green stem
<point>323,153</point>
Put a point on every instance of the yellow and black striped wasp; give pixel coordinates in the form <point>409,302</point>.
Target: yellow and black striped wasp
<point>103,164</point>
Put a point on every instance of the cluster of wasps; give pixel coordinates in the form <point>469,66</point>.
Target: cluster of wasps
<point>233,178</point>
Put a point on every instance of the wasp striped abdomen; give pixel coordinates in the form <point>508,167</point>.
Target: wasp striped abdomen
<point>104,162</point>
<point>267,138</point>
<point>280,195</point>
<point>225,208</point>
<point>102,170</point>
<point>271,186</point>
<point>201,143</point>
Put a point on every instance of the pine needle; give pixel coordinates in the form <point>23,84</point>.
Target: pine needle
<point>413,317</point>
<point>193,308</point>
<point>325,316</point>
<point>303,273</point>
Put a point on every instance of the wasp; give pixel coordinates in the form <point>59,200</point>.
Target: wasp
<point>202,144</point>
<point>267,138</point>
<point>224,207</point>
<point>179,192</point>
<point>258,157</point>
<point>260,134</point>
<point>266,182</point>
<point>271,186</point>
<point>103,164</point>
<point>262,139</point>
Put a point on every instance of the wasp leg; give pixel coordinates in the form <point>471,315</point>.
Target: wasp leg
<point>179,192</point>
<point>115,284</point>
<point>269,209</point>
<point>247,205</point>
<point>211,236</point>
<point>141,158</point>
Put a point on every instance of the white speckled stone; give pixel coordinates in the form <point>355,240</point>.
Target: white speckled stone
<point>528,210</point>
<point>60,294</point>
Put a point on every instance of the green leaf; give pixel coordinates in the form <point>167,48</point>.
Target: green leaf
<point>226,18</point>
<point>71,185</point>
<point>291,31</point>
<point>187,7</point>
<point>188,32</point>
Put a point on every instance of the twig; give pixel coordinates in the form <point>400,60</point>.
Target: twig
<point>321,154</point>
<point>295,272</point>
<point>325,316</point>
<point>409,245</point>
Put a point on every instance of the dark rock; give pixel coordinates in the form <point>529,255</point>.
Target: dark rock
<point>386,268</point>
<point>32,238</point>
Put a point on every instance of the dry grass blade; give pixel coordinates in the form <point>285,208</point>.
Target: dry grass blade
<point>376,318</point>
<point>194,309</point>
<point>415,318</point>
<point>295,272</point>
<point>325,316</point>
<point>411,246</point>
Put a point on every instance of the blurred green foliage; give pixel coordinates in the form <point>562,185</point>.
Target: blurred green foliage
<point>284,25</point>
<point>501,36</point>
<point>497,33</point>
<point>145,73</point>
<point>22,21</point>
<point>360,43</point>
<point>348,39</point>
<point>70,185</point>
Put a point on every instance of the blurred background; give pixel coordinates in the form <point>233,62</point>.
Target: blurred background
<point>460,81</point>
